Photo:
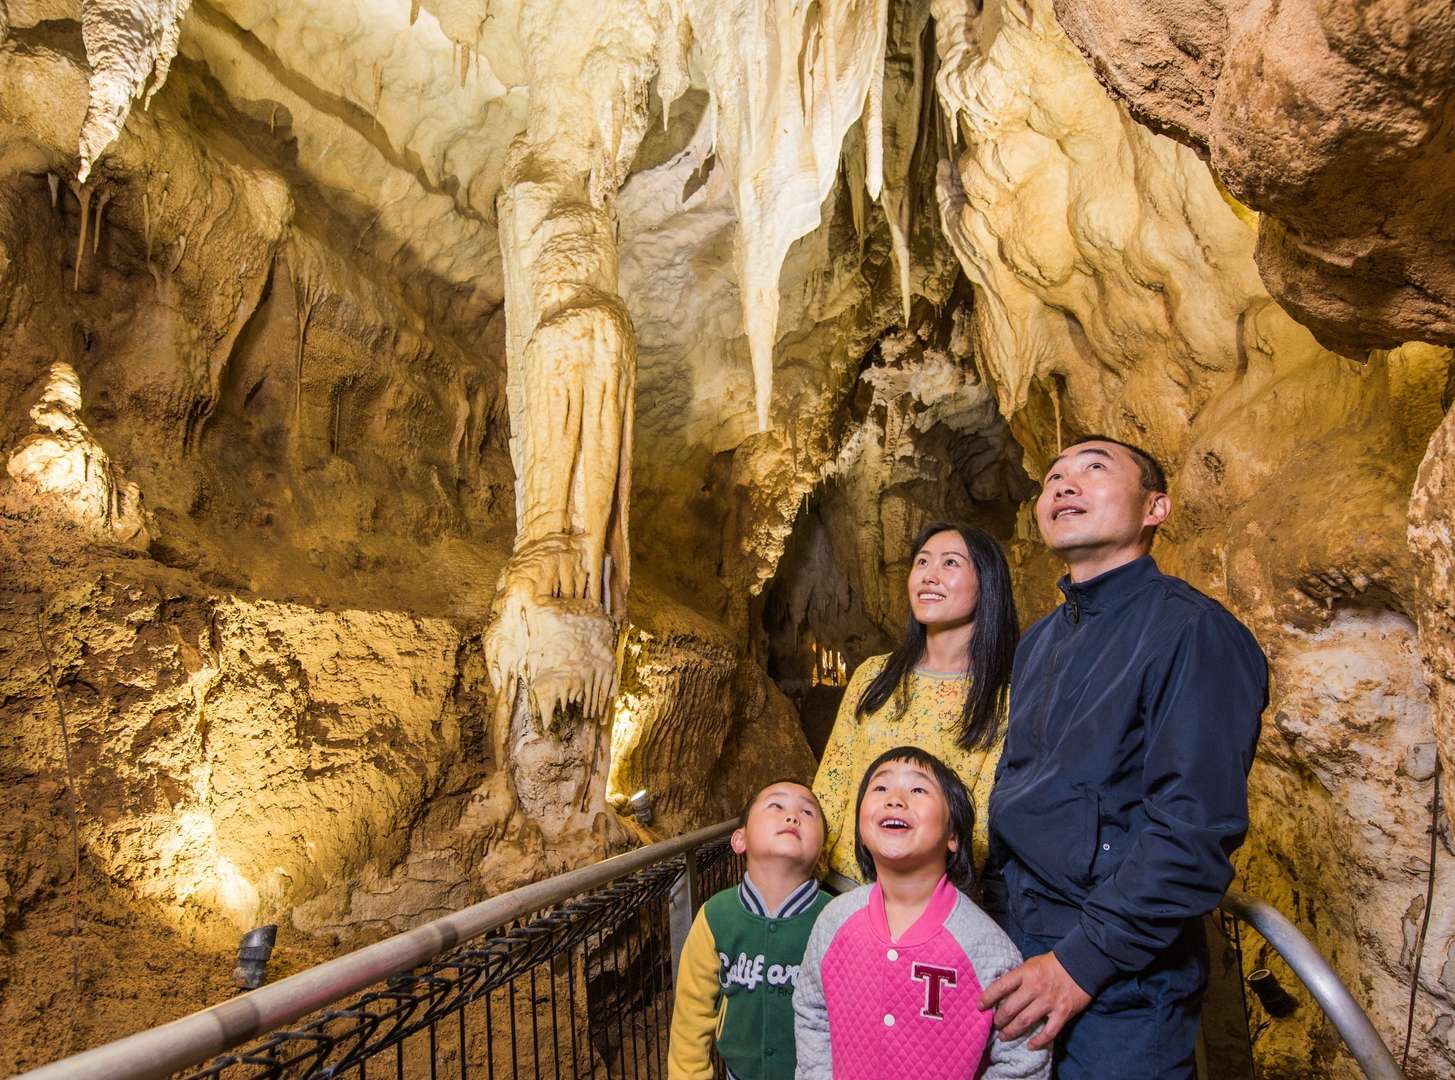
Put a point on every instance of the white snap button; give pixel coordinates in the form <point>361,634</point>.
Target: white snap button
<point>1105,847</point>
<point>888,1019</point>
<point>893,955</point>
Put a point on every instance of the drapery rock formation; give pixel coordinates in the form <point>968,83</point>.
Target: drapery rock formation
<point>533,402</point>
<point>1332,118</point>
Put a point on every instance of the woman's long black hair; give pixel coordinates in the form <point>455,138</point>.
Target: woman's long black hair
<point>992,647</point>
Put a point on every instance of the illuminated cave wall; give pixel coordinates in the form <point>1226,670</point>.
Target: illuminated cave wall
<point>306,521</point>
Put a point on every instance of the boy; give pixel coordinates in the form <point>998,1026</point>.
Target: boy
<point>740,961</point>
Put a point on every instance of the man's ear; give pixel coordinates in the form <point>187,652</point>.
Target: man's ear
<point>739,842</point>
<point>1158,507</point>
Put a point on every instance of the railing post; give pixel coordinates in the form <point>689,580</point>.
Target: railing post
<point>682,907</point>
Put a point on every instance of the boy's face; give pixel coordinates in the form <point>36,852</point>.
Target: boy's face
<point>783,823</point>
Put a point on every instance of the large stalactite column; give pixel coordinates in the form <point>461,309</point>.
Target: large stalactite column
<point>571,354</point>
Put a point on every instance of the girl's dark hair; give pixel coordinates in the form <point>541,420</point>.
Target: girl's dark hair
<point>959,864</point>
<point>992,648</point>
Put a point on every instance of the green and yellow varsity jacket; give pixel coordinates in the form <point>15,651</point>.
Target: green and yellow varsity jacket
<point>735,984</point>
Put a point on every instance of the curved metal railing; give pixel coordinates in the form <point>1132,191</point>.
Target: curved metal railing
<point>399,992</point>
<point>1313,970</point>
<point>407,985</point>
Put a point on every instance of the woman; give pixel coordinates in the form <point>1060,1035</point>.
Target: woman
<point>944,688</point>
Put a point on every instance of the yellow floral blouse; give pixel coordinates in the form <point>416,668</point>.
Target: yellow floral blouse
<point>930,720</point>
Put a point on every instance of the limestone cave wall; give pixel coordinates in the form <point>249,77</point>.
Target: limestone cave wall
<point>428,423</point>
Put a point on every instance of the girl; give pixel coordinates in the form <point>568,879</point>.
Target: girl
<point>962,623</point>
<point>893,971</point>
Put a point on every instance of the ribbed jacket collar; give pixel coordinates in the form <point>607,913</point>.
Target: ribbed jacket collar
<point>795,903</point>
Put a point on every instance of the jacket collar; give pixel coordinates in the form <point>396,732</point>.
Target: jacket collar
<point>795,903</point>
<point>1107,591</point>
<point>942,902</point>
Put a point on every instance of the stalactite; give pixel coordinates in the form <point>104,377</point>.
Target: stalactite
<point>83,195</point>
<point>53,181</point>
<point>307,294</point>
<point>103,198</point>
<point>129,47</point>
<point>779,128</point>
<point>413,11</point>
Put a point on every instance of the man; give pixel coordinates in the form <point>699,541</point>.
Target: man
<point>1122,790</point>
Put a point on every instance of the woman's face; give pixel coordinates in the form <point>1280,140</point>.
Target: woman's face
<point>943,586</point>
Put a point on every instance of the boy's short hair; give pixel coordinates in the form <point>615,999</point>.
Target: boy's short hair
<point>1154,476</point>
<point>960,865</point>
<point>753,801</point>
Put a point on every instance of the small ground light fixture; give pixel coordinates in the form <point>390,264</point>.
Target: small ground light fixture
<point>252,957</point>
<point>640,805</point>
<point>1271,994</point>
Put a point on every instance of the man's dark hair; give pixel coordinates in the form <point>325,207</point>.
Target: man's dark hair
<point>753,799</point>
<point>1154,477</point>
<point>992,647</point>
<point>959,864</point>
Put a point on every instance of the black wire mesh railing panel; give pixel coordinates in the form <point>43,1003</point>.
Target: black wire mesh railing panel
<point>718,868</point>
<point>580,990</point>
<point>722,869</point>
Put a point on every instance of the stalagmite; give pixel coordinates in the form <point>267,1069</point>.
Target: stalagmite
<point>62,471</point>
<point>129,45</point>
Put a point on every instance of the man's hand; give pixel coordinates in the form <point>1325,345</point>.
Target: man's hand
<point>1038,990</point>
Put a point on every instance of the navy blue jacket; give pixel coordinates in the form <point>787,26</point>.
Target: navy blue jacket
<point>1123,787</point>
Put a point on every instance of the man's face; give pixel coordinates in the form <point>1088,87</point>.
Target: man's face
<point>783,823</point>
<point>1092,501</point>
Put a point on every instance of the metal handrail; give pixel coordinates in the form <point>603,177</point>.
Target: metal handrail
<point>159,1052</point>
<point>195,1039</point>
<point>1315,973</point>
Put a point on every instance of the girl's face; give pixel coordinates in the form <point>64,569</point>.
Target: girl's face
<point>943,586</point>
<point>904,819</point>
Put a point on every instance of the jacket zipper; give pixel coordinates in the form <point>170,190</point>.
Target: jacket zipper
<point>1051,675</point>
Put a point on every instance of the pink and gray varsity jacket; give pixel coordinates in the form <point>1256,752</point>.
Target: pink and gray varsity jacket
<point>870,1008</point>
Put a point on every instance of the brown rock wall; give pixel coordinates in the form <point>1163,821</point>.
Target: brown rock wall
<point>1331,118</point>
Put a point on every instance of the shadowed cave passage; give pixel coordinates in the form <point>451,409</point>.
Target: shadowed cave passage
<point>921,444</point>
